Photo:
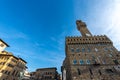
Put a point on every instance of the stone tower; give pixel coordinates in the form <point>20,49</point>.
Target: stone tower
<point>90,57</point>
<point>81,26</point>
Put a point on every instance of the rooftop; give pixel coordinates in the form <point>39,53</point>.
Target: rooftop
<point>4,43</point>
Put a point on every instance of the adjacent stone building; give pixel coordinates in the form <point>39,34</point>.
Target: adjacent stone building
<point>32,76</point>
<point>11,67</point>
<point>45,74</point>
<point>26,75</point>
<point>90,57</point>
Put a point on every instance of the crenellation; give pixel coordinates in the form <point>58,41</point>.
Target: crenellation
<point>88,39</point>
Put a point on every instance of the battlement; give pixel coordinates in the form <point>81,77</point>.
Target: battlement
<point>89,39</point>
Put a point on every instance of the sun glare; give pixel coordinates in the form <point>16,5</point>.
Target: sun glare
<point>114,18</point>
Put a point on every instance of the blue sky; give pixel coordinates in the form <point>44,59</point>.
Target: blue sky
<point>36,29</point>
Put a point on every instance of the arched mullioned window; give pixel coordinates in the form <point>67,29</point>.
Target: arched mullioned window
<point>110,55</point>
<point>106,49</point>
<point>75,61</point>
<point>88,61</point>
<point>81,61</point>
<point>88,50</point>
<point>77,50</point>
<point>83,49</point>
<point>72,49</point>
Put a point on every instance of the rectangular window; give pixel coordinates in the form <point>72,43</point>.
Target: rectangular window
<point>74,61</point>
<point>10,65</point>
<point>79,73</point>
<point>90,71</point>
<point>99,72</point>
<point>115,61</point>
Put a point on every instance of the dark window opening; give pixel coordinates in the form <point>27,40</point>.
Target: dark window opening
<point>109,70</point>
<point>83,49</point>
<point>88,50</point>
<point>77,50</point>
<point>79,73</point>
<point>72,50</point>
<point>96,64</point>
<point>99,72</point>
<point>74,61</point>
<point>90,71</point>
<point>115,61</point>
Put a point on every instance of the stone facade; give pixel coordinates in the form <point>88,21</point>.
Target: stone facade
<point>90,57</point>
<point>45,74</point>
<point>32,75</point>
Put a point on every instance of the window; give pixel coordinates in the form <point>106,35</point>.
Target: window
<point>74,61</point>
<point>81,62</point>
<point>5,72</point>
<point>2,63</point>
<point>79,73</point>
<point>90,71</point>
<point>2,45</point>
<point>77,50</point>
<point>83,49</point>
<point>88,50</point>
<point>99,72</point>
<point>105,49</point>
<point>99,44</point>
<point>116,61</point>
<point>88,61</point>
<point>10,65</point>
<point>14,60</point>
<point>111,49</point>
<point>72,49</point>
<point>110,55</point>
<point>109,70</point>
<point>8,72</point>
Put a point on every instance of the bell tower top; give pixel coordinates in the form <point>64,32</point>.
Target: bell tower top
<point>81,26</point>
